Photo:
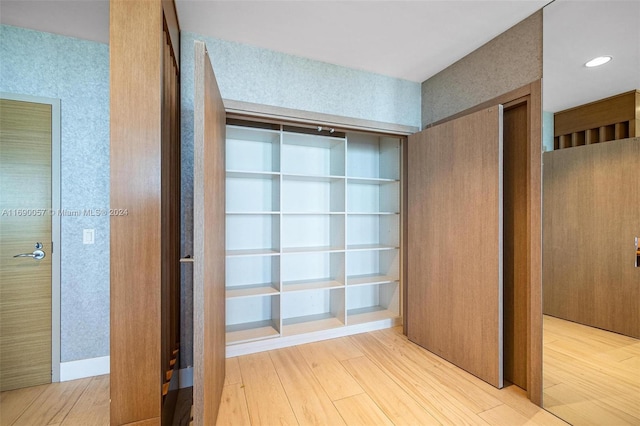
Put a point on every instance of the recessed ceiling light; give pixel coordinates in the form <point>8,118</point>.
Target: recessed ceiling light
<point>596,62</point>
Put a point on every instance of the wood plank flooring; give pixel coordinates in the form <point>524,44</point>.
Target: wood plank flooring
<point>591,376</point>
<point>377,378</point>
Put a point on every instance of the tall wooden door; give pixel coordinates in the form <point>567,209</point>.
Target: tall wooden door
<point>454,280</point>
<point>591,219</point>
<point>208,242</point>
<point>25,232</point>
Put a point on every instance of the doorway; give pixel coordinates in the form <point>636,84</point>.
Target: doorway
<point>30,235</point>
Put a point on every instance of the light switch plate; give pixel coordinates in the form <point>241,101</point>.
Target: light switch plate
<point>88,236</point>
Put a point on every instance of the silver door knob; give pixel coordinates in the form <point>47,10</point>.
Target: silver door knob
<point>37,255</point>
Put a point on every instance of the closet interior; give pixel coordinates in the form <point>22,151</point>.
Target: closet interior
<point>313,232</point>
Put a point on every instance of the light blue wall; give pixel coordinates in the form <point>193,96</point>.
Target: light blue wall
<point>251,74</point>
<point>77,73</point>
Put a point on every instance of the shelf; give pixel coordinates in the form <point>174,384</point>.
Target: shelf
<point>312,310</point>
<point>373,157</point>
<point>307,194</point>
<point>317,249</point>
<point>373,231</point>
<point>312,155</point>
<point>302,285</point>
<point>370,267</point>
<point>310,323</point>
<point>307,233</point>
<point>368,247</point>
<point>373,302</point>
<point>251,174</point>
<point>252,290</point>
<point>252,252</point>
<point>370,279</point>
<point>248,234</point>
<point>312,232</point>
<point>369,314</point>
<point>251,318</point>
<point>250,331</point>
<point>381,196</point>
<point>312,267</point>
<point>264,190</point>
<point>251,149</point>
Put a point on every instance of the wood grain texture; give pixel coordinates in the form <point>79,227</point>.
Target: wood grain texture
<point>266,398</point>
<point>209,242</point>
<point>233,407</point>
<point>16,402</point>
<point>392,399</point>
<point>590,222</point>
<point>324,360</point>
<point>534,218</point>
<point>25,283</point>
<point>261,399</point>
<point>455,242</point>
<point>621,108</point>
<point>532,93</point>
<point>53,404</point>
<point>145,162</point>
<point>516,243</point>
<point>361,410</point>
<point>307,398</point>
<point>591,376</point>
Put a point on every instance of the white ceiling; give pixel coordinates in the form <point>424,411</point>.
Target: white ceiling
<point>406,39</point>
<point>577,31</point>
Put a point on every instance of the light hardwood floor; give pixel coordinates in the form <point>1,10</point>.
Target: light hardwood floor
<point>591,376</point>
<point>377,378</point>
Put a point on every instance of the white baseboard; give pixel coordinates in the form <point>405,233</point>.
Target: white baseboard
<point>300,339</point>
<point>82,368</point>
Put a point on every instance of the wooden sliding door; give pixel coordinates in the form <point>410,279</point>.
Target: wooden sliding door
<point>209,242</point>
<point>455,242</point>
<point>591,220</point>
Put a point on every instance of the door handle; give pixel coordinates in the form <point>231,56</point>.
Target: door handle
<point>37,255</point>
<point>637,253</point>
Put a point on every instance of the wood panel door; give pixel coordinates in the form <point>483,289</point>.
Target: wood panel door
<point>208,242</point>
<point>454,250</point>
<point>591,218</point>
<point>25,222</point>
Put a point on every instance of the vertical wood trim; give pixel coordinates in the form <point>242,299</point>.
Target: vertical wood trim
<point>516,242</point>
<point>405,234</point>
<point>209,242</point>
<point>136,123</point>
<point>534,213</point>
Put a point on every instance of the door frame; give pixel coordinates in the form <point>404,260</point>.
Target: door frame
<point>531,94</point>
<point>55,222</point>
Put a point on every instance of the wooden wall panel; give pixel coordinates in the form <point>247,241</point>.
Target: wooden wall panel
<point>516,239</point>
<point>455,242</point>
<point>532,95</point>
<point>209,242</point>
<point>591,217</point>
<point>136,111</point>
<point>145,161</point>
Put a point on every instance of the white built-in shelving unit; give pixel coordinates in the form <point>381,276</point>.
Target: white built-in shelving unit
<point>312,233</point>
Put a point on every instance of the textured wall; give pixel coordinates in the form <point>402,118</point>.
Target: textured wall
<point>251,74</point>
<point>77,73</point>
<point>509,61</point>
